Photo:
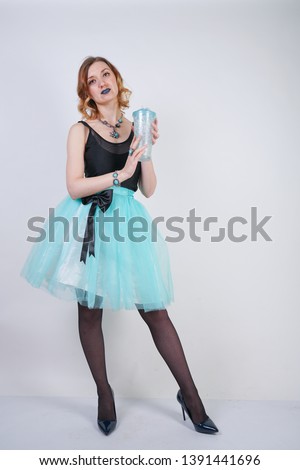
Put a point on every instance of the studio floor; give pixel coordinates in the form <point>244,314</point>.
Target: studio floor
<point>70,423</point>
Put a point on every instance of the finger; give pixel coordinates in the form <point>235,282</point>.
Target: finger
<point>141,150</point>
<point>136,141</point>
<point>135,138</point>
<point>155,136</point>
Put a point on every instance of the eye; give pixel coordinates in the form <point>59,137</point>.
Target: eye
<point>106,73</point>
<point>91,81</point>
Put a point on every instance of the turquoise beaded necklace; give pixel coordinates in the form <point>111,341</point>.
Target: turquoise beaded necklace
<point>114,133</point>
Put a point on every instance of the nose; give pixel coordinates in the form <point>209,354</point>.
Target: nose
<point>101,82</point>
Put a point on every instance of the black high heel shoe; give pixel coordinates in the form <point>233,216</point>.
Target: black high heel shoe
<point>207,426</point>
<point>107,426</point>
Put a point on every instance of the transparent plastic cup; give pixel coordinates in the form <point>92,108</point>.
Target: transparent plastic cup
<point>143,119</point>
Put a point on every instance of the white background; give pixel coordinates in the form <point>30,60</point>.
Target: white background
<point>223,77</point>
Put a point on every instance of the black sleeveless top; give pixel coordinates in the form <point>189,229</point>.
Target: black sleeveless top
<point>102,156</point>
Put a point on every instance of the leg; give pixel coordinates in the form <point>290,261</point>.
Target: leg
<point>169,346</point>
<point>92,341</point>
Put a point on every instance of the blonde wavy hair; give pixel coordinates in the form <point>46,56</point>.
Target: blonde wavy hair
<point>87,106</point>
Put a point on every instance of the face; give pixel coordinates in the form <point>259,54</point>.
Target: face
<point>101,78</point>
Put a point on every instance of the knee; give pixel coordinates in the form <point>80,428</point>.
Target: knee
<point>89,315</point>
<point>154,317</point>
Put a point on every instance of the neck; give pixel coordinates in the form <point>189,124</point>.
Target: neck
<point>109,112</point>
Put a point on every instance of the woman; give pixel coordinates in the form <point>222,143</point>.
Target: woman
<point>96,267</point>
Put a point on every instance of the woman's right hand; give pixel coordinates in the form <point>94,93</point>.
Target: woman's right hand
<point>132,160</point>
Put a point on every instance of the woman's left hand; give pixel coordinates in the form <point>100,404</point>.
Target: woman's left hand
<point>154,131</point>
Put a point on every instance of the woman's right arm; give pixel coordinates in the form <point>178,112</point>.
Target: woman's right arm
<point>77,185</point>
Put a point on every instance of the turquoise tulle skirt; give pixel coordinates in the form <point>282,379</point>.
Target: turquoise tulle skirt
<point>129,266</point>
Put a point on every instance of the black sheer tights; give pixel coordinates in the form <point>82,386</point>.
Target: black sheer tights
<point>169,346</point>
<point>91,337</point>
<point>167,342</point>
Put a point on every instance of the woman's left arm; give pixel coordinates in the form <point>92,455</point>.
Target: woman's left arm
<point>147,181</point>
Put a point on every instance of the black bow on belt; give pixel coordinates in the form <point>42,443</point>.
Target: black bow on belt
<point>103,200</point>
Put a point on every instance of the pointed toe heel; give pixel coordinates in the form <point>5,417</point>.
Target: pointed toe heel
<point>207,426</point>
<point>108,425</point>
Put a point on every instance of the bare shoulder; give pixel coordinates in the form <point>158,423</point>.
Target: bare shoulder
<point>78,132</point>
<point>77,128</point>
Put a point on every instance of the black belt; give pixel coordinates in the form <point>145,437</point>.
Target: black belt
<point>102,200</point>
